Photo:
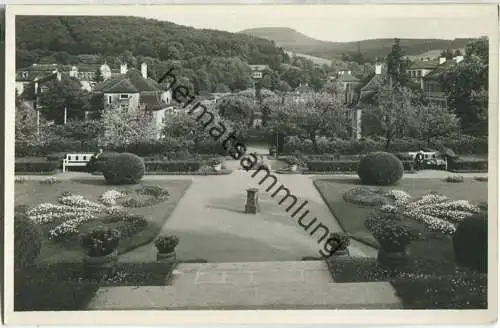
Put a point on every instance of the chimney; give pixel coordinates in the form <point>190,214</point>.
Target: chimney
<point>378,69</point>
<point>458,59</point>
<point>442,60</point>
<point>123,69</point>
<point>144,70</point>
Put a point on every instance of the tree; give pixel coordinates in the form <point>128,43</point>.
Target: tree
<point>66,93</point>
<point>393,110</point>
<point>237,109</point>
<point>457,53</point>
<point>435,121</point>
<point>447,53</point>
<point>121,128</point>
<point>466,88</point>
<point>98,76</point>
<point>397,65</point>
<point>309,116</point>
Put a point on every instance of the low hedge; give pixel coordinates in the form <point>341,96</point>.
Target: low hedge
<point>462,145</point>
<point>173,166</point>
<point>39,166</point>
<point>65,286</point>
<point>479,165</point>
<point>344,166</point>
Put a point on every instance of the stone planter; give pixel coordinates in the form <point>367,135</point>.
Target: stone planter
<point>393,259</point>
<point>217,167</point>
<point>166,256</point>
<point>293,167</point>
<point>342,253</point>
<point>105,263</point>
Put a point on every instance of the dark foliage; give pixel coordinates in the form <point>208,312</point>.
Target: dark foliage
<point>27,242</point>
<point>470,242</point>
<point>380,168</point>
<point>124,168</point>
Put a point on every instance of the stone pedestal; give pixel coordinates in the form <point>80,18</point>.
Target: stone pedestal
<point>252,205</point>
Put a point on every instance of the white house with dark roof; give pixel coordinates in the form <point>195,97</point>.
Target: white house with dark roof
<point>134,91</point>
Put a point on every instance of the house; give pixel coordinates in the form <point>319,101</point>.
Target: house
<point>420,68</point>
<point>85,73</point>
<point>432,82</point>
<point>347,85</point>
<point>258,70</point>
<point>134,91</point>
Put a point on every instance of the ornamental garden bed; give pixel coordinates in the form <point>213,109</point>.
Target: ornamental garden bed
<point>351,217</point>
<point>65,286</point>
<point>421,284</point>
<point>67,208</point>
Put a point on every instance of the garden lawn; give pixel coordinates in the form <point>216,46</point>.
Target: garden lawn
<point>352,217</point>
<point>32,193</point>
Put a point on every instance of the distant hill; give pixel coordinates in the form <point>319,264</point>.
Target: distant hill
<point>291,40</point>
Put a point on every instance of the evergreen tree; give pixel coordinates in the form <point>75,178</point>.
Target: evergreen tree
<point>397,64</point>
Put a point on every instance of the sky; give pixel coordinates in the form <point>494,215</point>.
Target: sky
<point>335,23</point>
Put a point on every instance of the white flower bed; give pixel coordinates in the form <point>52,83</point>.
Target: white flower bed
<point>400,197</point>
<point>74,210</point>
<point>438,212</point>
<point>110,197</point>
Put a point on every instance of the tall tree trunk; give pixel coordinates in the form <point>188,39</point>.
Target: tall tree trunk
<point>388,141</point>
<point>312,136</point>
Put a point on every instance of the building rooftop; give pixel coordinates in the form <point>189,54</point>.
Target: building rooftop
<point>131,82</point>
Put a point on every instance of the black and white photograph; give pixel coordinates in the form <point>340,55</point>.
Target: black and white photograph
<point>201,159</point>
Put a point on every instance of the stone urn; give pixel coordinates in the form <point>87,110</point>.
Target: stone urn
<point>100,250</point>
<point>216,165</point>
<point>105,263</point>
<point>392,256</point>
<point>165,246</point>
<point>342,253</point>
<point>293,167</point>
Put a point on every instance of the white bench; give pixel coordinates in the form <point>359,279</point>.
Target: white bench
<point>75,160</point>
<point>426,154</point>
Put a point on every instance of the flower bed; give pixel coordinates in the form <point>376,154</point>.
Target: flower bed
<point>421,284</point>
<point>433,221</point>
<point>65,286</point>
<point>68,208</point>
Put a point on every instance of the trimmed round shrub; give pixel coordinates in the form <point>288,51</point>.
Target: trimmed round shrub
<point>380,169</point>
<point>123,169</point>
<point>27,242</point>
<point>470,242</point>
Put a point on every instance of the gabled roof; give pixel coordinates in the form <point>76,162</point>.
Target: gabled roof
<point>424,64</point>
<point>443,68</point>
<point>347,78</point>
<point>376,81</point>
<point>131,82</point>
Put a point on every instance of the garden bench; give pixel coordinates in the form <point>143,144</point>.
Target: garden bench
<point>76,160</point>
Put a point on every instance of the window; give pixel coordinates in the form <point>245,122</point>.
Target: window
<point>25,75</point>
<point>124,96</point>
<point>419,73</point>
<point>110,99</point>
<point>124,106</point>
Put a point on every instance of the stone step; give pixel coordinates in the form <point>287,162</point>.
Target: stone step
<point>373,295</point>
<point>251,273</point>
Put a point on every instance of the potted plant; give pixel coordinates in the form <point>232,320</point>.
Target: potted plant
<point>293,164</point>
<point>273,151</point>
<point>101,248</point>
<point>165,245</point>
<point>216,165</point>
<point>339,243</point>
<point>393,240</point>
